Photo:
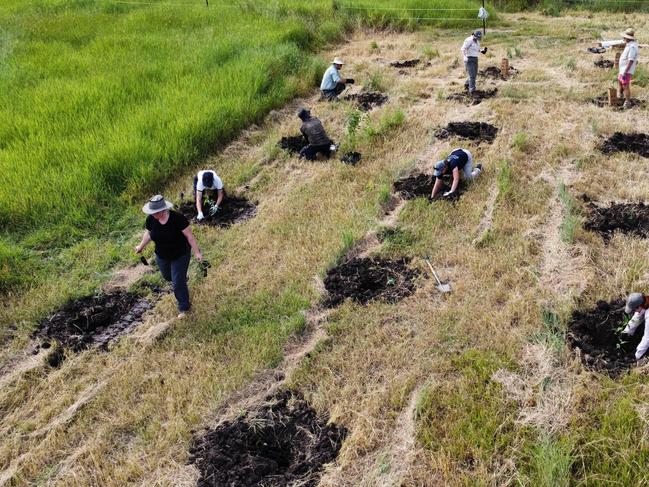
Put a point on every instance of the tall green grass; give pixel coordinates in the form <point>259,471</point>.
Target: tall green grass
<point>103,102</point>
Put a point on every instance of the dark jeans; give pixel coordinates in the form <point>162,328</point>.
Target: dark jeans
<point>175,271</point>
<point>309,152</point>
<point>471,65</point>
<point>333,94</point>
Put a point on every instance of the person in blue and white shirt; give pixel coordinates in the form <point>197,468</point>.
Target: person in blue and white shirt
<point>458,160</point>
<point>207,181</point>
<point>638,304</point>
<point>470,51</point>
<point>332,83</point>
<point>628,65</point>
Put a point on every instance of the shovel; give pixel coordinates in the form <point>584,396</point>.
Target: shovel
<point>143,260</point>
<point>443,288</point>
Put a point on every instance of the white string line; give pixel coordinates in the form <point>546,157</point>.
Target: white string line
<point>346,7</point>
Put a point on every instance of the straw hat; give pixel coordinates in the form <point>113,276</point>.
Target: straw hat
<point>337,60</point>
<point>156,204</point>
<point>629,34</point>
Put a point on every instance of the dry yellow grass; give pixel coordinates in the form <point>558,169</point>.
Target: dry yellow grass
<point>389,373</point>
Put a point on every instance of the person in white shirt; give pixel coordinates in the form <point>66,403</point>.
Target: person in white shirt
<point>332,84</point>
<point>470,51</point>
<point>638,304</point>
<point>207,181</point>
<point>628,65</point>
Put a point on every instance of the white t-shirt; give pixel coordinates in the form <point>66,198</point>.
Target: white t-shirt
<point>470,48</point>
<point>217,184</point>
<point>629,54</point>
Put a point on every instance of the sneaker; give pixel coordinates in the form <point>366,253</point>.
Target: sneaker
<point>182,315</point>
<point>627,104</point>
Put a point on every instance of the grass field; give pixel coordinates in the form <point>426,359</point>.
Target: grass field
<point>474,388</point>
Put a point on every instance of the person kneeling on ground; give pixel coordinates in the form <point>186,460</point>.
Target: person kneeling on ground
<point>332,84</point>
<point>638,304</point>
<point>470,51</point>
<point>315,135</point>
<point>173,238</point>
<point>628,64</point>
<point>459,159</point>
<point>207,181</point>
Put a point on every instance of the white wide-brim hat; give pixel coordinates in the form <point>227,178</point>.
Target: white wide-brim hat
<point>156,204</point>
<point>629,34</point>
<point>337,60</point>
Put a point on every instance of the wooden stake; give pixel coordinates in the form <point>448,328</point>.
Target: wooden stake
<point>612,97</point>
<point>617,60</point>
<point>504,67</point>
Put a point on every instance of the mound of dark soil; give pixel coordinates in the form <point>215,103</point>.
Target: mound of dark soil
<point>604,63</point>
<point>478,131</point>
<point>284,443</point>
<point>496,73</point>
<point>628,218</point>
<point>411,63</point>
<point>93,321</point>
<point>233,209</point>
<point>473,99</point>
<point>365,279</point>
<point>420,184</point>
<point>292,145</point>
<point>367,100</point>
<point>602,101</point>
<point>596,332</point>
<point>633,142</point>
<point>351,158</point>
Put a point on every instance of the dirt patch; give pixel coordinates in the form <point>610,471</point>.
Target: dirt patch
<point>93,321</point>
<point>367,100</point>
<point>351,158</point>
<point>293,144</point>
<point>421,184</point>
<point>473,99</point>
<point>365,279</point>
<point>283,443</point>
<point>411,63</point>
<point>628,218</point>
<point>633,142</point>
<point>604,63</point>
<point>233,209</point>
<point>496,73</point>
<point>596,332</point>
<point>602,101</point>
<point>478,131</point>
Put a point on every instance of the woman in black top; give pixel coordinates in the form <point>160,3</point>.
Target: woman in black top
<point>173,240</point>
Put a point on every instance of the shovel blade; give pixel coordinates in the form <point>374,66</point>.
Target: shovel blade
<point>444,288</point>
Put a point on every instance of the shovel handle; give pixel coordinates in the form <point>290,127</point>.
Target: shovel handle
<point>433,271</point>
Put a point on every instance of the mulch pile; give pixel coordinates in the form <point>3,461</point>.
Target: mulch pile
<point>478,131</point>
<point>421,184</point>
<point>351,158</point>
<point>473,99</point>
<point>283,443</point>
<point>496,73</point>
<point>233,209</point>
<point>93,321</point>
<point>633,142</point>
<point>604,63</point>
<point>365,279</point>
<point>628,218</point>
<point>602,101</point>
<point>411,63</point>
<point>596,333</point>
<point>367,100</point>
<point>293,144</point>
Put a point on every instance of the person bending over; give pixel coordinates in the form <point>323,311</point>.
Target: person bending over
<point>458,160</point>
<point>206,181</point>
<point>638,304</point>
<point>332,84</point>
<point>317,140</point>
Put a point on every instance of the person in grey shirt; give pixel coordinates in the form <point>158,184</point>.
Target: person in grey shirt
<point>332,84</point>
<point>315,135</point>
<point>470,51</point>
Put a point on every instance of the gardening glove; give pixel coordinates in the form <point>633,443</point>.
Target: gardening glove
<point>214,209</point>
<point>200,216</point>
<point>351,81</point>
<point>448,194</point>
<point>483,50</point>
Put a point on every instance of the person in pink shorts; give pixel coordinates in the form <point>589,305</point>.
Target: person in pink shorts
<point>628,65</point>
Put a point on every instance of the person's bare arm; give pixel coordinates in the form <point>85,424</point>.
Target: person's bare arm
<point>436,187</point>
<point>199,201</point>
<point>146,238</point>
<point>219,197</point>
<point>456,179</point>
<point>187,232</point>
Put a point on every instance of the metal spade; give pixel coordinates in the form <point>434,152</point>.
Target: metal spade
<point>443,288</point>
